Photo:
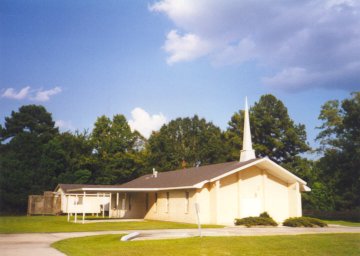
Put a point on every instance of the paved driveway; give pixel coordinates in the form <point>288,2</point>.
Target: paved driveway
<point>39,243</point>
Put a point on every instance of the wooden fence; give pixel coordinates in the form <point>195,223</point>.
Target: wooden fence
<point>47,204</point>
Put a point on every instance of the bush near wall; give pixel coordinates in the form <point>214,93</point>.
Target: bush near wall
<point>263,220</point>
<point>304,222</point>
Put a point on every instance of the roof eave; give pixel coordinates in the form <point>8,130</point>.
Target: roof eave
<point>131,189</point>
<point>286,172</point>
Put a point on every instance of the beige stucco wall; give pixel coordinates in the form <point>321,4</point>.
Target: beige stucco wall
<point>228,200</point>
<point>128,205</point>
<point>175,209</point>
<point>277,198</point>
<point>243,194</point>
<point>249,193</point>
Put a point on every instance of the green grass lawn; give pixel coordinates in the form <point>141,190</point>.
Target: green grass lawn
<point>109,245</point>
<point>343,223</point>
<point>32,224</point>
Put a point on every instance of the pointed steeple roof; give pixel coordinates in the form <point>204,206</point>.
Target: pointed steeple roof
<point>247,152</point>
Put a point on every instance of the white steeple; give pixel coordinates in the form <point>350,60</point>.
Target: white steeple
<point>247,152</point>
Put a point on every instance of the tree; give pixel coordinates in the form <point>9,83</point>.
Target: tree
<point>340,143</point>
<point>22,143</point>
<point>68,156</point>
<point>274,133</point>
<point>185,142</point>
<point>117,151</point>
<point>320,197</point>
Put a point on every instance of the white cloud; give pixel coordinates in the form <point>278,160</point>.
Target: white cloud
<point>243,51</point>
<point>45,95</point>
<point>145,123</point>
<point>27,93</point>
<point>10,93</point>
<point>284,37</point>
<point>184,48</point>
<point>293,78</point>
<point>64,125</point>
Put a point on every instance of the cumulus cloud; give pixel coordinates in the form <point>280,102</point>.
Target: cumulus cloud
<point>145,123</point>
<point>301,43</point>
<point>11,93</point>
<point>27,93</point>
<point>64,125</point>
<point>45,94</point>
<point>184,48</point>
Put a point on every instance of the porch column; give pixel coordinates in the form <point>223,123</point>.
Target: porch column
<point>97,197</point>
<point>103,206</point>
<point>76,204</point>
<point>239,195</point>
<point>83,214</point>
<point>264,182</point>
<point>217,195</point>
<point>298,200</point>
<point>117,204</point>
<point>110,207</point>
<point>67,207</point>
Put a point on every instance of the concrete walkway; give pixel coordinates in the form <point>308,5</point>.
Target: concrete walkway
<point>39,243</point>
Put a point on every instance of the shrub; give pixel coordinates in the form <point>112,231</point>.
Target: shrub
<point>263,220</point>
<point>304,222</point>
<point>265,215</point>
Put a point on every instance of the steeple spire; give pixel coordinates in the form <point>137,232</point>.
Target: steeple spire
<point>247,152</point>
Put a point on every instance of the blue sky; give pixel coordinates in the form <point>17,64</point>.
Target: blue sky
<point>154,61</point>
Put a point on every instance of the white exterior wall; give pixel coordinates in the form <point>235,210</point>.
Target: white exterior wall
<point>243,194</point>
<point>203,197</point>
<point>249,193</point>
<point>277,195</point>
<point>90,203</point>
<point>295,200</point>
<point>173,209</point>
<point>128,205</point>
<point>228,200</point>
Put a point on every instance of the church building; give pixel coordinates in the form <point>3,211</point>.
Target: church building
<point>220,192</point>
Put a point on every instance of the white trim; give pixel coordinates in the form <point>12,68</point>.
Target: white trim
<point>200,184</point>
<point>275,165</point>
<point>305,188</point>
<point>135,189</point>
<point>286,171</point>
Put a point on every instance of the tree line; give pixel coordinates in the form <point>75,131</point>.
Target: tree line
<point>35,156</point>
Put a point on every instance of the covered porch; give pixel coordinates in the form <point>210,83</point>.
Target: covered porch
<point>110,203</point>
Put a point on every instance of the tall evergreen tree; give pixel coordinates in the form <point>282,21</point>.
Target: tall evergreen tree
<point>68,155</point>
<point>274,133</point>
<point>340,140</point>
<point>185,142</point>
<point>23,138</point>
<point>118,152</point>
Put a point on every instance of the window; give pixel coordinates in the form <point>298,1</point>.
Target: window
<point>129,202</point>
<point>147,201</point>
<point>156,201</point>
<point>186,202</point>
<point>167,201</point>
<point>78,200</point>
<point>123,202</point>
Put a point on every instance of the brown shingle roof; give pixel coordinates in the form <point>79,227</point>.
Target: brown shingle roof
<point>184,177</point>
<point>67,187</point>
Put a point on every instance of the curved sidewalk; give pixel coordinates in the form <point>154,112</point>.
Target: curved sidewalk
<point>39,243</point>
